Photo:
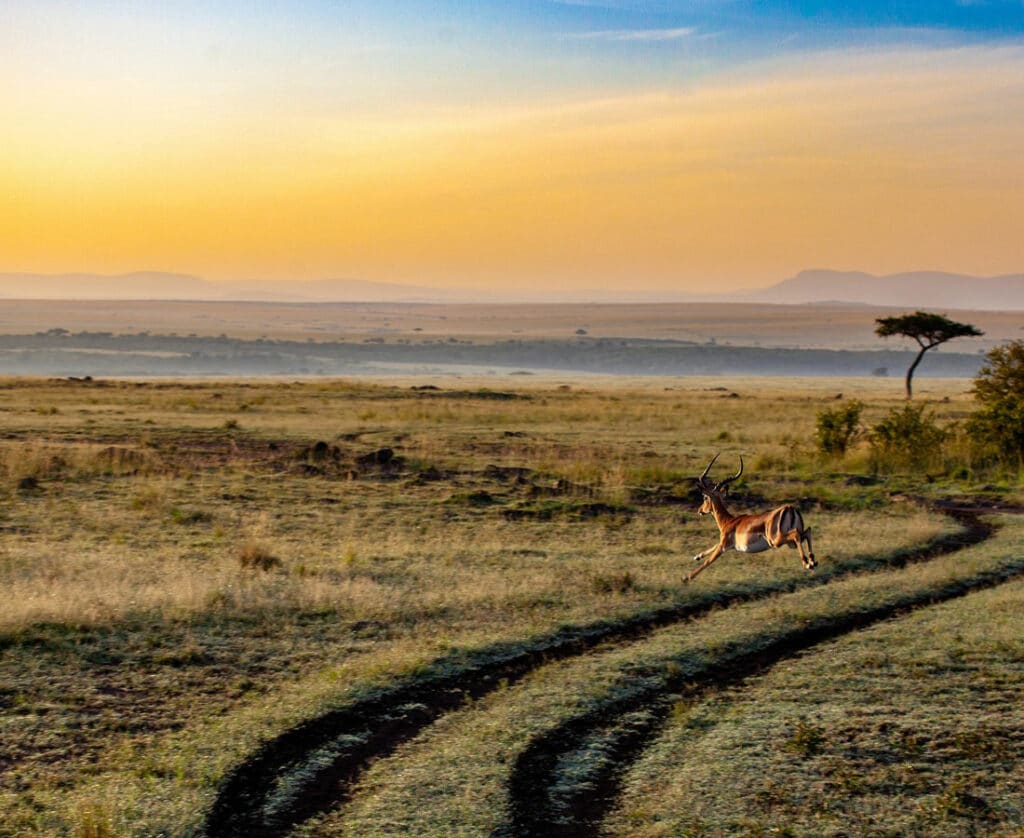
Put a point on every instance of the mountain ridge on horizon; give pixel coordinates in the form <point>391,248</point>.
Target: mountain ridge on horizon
<point>155,286</point>
<point>922,289</point>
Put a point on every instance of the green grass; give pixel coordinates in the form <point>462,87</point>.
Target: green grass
<point>910,728</point>
<point>179,589</point>
<point>453,779</point>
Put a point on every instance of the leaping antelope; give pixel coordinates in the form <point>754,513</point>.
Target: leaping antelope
<point>750,533</point>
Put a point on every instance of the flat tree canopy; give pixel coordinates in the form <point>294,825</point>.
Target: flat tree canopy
<point>928,329</point>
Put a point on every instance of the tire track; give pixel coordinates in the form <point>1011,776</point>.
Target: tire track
<point>314,766</point>
<point>581,814</point>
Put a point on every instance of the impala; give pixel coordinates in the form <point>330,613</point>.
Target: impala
<point>750,533</point>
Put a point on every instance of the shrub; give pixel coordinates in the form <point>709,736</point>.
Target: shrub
<point>838,429</point>
<point>998,425</point>
<point>907,436</point>
<point>188,517</point>
<point>257,556</point>
<point>807,739</point>
<point>479,498</point>
<point>617,583</point>
<point>28,484</point>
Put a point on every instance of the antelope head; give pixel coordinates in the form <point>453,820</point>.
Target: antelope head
<point>714,491</point>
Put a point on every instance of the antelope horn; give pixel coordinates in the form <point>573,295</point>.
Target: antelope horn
<point>729,480</point>
<point>700,480</point>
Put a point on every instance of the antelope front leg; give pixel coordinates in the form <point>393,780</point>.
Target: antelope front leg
<point>703,553</point>
<point>715,551</point>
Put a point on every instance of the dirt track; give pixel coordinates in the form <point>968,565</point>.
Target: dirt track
<point>330,752</point>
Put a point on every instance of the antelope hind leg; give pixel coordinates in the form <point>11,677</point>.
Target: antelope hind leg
<point>806,536</point>
<point>797,538</point>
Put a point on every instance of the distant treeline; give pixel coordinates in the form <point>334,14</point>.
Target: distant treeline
<point>58,352</point>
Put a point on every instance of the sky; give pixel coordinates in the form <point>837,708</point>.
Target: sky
<point>679,146</point>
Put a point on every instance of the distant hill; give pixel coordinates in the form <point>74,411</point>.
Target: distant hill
<point>156,285</point>
<point>337,290</point>
<point>921,289</point>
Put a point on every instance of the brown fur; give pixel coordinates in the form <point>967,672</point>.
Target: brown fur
<point>753,533</point>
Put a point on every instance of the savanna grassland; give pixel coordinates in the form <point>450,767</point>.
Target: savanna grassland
<point>821,325</point>
<point>445,608</point>
<point>343,340</point>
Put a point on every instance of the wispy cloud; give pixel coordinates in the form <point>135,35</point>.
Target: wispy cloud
<point>644,35</point>
<point>599,4</point>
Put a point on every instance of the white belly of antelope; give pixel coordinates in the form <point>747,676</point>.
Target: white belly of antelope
<point>754,542</point>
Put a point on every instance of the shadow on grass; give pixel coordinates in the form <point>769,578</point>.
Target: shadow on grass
<point>580,813</point>
<point>312,767</point>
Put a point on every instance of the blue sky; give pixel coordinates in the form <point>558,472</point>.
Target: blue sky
<point>545,47</point>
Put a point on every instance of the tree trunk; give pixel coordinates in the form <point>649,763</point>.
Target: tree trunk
<point>913,366</point>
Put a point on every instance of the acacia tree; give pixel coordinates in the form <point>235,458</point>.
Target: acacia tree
<point>929,330</point>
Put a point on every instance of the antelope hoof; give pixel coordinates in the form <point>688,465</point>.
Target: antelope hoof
<point>697,558</point>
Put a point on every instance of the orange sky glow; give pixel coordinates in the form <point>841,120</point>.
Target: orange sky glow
<point>880,160</point>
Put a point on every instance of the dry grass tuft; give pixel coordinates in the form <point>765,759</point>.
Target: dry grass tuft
<point>614,583</point>
<point>257,556</point>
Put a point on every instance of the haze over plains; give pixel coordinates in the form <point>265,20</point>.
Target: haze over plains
<point>512,146</point>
